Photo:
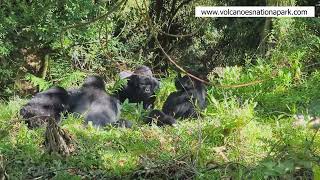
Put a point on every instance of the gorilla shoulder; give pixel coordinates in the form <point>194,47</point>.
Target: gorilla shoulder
<point>48,104</point>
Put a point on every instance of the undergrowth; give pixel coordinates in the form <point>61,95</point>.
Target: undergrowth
<point>243,133</point>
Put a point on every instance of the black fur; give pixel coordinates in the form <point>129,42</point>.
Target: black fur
<point>122,123</point>
<point>189,95</point>
<point>44,105</point>
<point>140,88</point>
<point>159,118</point>
<point>93,102</point>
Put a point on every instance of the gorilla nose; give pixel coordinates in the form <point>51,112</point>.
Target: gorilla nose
<point>147,90</point>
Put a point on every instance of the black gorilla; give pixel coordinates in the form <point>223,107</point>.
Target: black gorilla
<point>140,88</point>
<point>190,94</point>
<point>92,101</point>
<point>44,105</point>
<point>160,118</point>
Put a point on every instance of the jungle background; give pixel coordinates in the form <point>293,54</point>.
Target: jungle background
<point>262,72</point>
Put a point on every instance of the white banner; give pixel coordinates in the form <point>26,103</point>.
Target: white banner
<point>255,11</point>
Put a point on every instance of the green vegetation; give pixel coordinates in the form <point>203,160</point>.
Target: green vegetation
<point>246,131</point>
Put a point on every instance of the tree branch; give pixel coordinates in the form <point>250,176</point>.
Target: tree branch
<point>113,9</point>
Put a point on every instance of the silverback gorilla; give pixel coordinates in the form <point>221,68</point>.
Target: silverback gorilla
<point>44,105</point>
<point>140,88</point>
<point>93,102</point>
<point>190,94</point>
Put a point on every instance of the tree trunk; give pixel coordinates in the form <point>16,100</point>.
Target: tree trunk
<point>268,23</point>
<point>58,140</point>
<point>264,36</point>
<point>3,174</point>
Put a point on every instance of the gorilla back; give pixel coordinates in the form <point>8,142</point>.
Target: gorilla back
<point>44,105</point>
<point>190,94</point>
<point>92,101</point>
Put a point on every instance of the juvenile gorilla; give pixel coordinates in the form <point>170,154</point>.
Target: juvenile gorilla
<point>44,105</point>
<point>190,94</point>
<point>159,118</point>
<point>92,101</point>
<point>140,88</point>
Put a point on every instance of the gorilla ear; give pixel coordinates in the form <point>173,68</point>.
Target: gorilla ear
<point>155,83</point>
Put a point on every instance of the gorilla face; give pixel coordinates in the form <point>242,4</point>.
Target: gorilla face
<point>144,86</point>
<point>140,88</point>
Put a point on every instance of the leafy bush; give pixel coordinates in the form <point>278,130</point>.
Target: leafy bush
<point>245,132</point>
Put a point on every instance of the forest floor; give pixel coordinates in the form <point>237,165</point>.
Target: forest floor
<point>237,136</point>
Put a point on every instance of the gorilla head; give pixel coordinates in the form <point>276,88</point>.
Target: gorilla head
<point>94,82</point>
<point>189,95</point>
<point>143,86</point>
<point>186,83</point>
<point>159,118</point>
<point>143,71</point>
<point>44,105</point>
<point>140,88</point>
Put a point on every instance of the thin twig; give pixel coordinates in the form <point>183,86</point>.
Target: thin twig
<point>113,9</point>
<point>155,31</point>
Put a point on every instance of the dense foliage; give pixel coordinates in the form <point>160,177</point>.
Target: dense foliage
<point>246,132</point>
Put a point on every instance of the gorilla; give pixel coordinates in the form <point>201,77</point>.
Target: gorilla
<point>44,105</point>
<point>140,88</point>
<point>190,94</point>
<point>159,118</point>
<point>92,101</point>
